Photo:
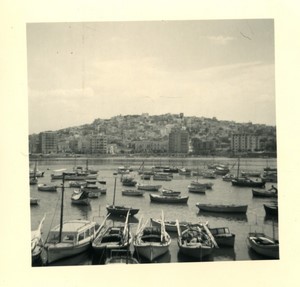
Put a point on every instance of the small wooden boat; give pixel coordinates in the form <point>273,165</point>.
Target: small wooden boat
<point>207,185</point>
<point>223,236</point>
<point>263,245</point>
<point>197,189</point>
<point>222,208</point>
<point>272,192</point>
<point>162,176</point>
<point>168,198</point>
<point>128,181</point>
<point>148,187</point>
<point>271,209</point>
<point>170,192</point>
<point>170,225</point>
<point>120,210</point>
<point>113,237</point>
<point>46,187</point>
<point>247,182</point>
<point>196,241</point>
<point>151,241</point>
<point>37,242</point>
<point>80,198</point>
<point>76,236</point>
<point>132,192</point>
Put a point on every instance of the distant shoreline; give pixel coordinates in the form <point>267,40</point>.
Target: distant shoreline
<point>145,156</point>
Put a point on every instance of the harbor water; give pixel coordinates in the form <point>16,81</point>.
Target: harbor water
<point>222,192</point>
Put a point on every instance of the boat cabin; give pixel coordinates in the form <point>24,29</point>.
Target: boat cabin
<point>74,232</point>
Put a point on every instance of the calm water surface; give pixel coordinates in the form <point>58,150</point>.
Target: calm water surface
<point>221,193</point>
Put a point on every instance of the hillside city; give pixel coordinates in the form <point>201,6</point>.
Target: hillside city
<point>151,135</point>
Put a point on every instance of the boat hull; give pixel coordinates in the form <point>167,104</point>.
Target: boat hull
<point>258,193</point>
<point>270,251</point>
<point>223,208</point>
<point>197,252</point>
<point>151,251</point>
<point>168,199</point>
<point>121,211</point>
<point>63,250</point>
<point>243,183</point>
<point>271,210</point>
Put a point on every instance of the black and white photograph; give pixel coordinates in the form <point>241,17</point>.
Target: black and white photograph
<point>152,142</point>
<point>155,141</point>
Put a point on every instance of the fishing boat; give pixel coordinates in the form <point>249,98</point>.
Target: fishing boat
<point>207,185</point>
<point>162,176</point>
<point>209,174</point>
<point>272,192</point>
<point>69,237</point>
<point>93,190</point>
<point>148,187</point>
<point>170,225</point>
<point>46,187</point>
<point>132,192</point>
<point>37,242</point>
<point>80,198</point>
<point>223,236</point>
<point>196,241</point>
<point>128,181</point>
<point>271,209</point>
<point>151,242</point>
<point>263,245</point>
<point>197,189</point>
<point>112,237</point>
<point>245,181</point>
<point>120,210</point>
<point>221,170</point>
<point>170,192</point>
<point>222,208</point>
<point>168,198</point>
<point>248,182</point>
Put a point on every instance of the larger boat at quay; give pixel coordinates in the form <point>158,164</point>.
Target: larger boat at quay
<point>61,245</point>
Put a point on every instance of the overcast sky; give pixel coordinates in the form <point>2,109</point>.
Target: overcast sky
<point>81,71</point>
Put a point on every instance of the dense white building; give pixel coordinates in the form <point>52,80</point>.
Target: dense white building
<point>245,142</point>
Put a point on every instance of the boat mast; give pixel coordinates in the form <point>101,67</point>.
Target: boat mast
<point>238,168</point>
<point>114,192</point>
<point>62,207</point>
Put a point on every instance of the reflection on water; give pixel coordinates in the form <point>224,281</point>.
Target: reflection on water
<point>165,258</point>
<point>184,258</point>
<point>85,210</point>
<point>227,216</point>
<point>224,254</point>
<point>221,192</point>
<point>80,259</point>
<point>131,219</point>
